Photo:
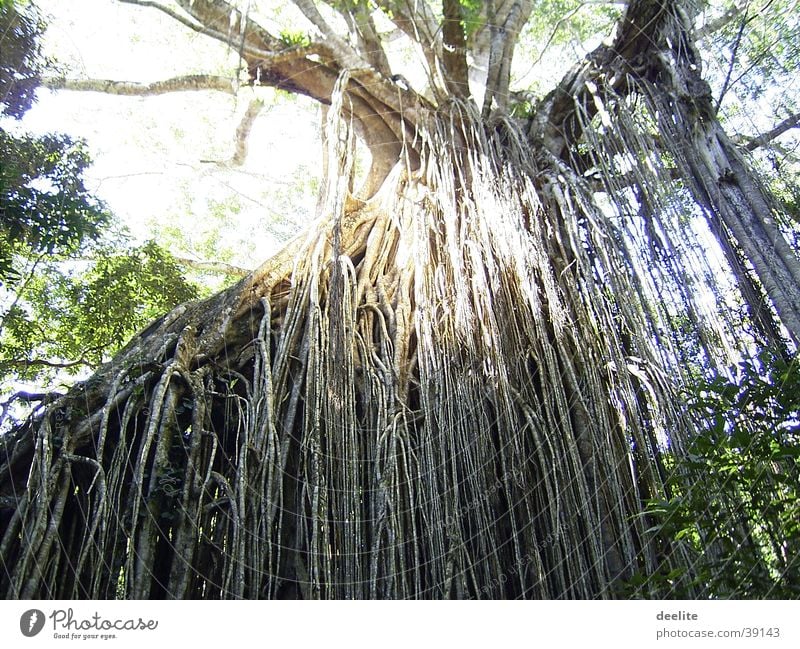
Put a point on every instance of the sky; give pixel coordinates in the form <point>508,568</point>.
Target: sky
<point>149,152</point>
<point>154,156</point>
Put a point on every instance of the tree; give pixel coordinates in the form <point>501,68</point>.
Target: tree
<point>45,205</point>
<point>464,381</point>
<point>21,29</point>
<point>60,264</point>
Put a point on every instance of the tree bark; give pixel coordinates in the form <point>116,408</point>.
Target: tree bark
<point>192,82</point>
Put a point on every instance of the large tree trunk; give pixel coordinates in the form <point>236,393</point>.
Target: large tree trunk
<point>411,402</point>
<point>459,388</point>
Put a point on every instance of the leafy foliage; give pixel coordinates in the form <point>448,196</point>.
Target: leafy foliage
<point>471,12</point>
<point>561,22</point>
<point>752,60</point>
<point>295,39</point>
<point>71,319</point>
<point>21,60</point>
<point>756,50</point>
<point>46,207</point>
<point>70,294</point>
<point>735,505</point>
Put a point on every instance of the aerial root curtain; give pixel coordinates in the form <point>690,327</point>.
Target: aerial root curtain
<point>436,400</point>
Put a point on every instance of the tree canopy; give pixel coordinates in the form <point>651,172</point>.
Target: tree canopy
<point>22,61</point>
<point>61,265</point>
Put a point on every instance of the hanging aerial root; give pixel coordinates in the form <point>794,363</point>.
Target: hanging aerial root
<point>430,397</point>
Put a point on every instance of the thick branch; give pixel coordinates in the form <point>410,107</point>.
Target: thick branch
<point>223,35</point>
<point>345,54</point>
<point>231,25</point>
<point>25,363</point>
<point>270,49</point>
<point>172,14</point>
<point>213,266</point>
<point>28,397</point>
<point>387,112</point>
<point>504,33</point>
<point>714,25</point>
<point>369,45</point>
<point>765,138</point>
<point>242,135</point>
<point>642,19</point>
<point>417,21</point>
<point>369,39</point>
<point>554,121</point>
<point>43,398</point>
<point>454,55</point>
<point>192,82</point>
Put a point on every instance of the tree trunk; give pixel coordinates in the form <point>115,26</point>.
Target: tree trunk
<point>411,402</point>
<point>738,208</point>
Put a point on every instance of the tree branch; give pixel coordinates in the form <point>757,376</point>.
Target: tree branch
<point>24,362</point>
<point>503,40</point>
<point>24,395</point>
<point>416,20</point>
<point>270,47</point>
<point>358,17</point>
<point>43,398</point>
<point>388,113</point>
<point>170,12</point>
<point>369,41</point>
<point>735,51</point>
<point>787,124</point>
<point>554,119</point>
<point>192,82</point>
<point>236,160</point>
<point>199,28</point>
<point>345,54</point>
<point>242,135</point>
<point>454,54</point>
<point>714,25</point>
<point>28,397</point>
<point>213,266</point>
<point>18,363</point>
<point>786,154</point>
<point>230,25</point>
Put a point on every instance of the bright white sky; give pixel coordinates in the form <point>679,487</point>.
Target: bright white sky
<point>148,151</point>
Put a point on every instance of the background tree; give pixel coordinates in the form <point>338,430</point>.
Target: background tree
<point>734,501</point>
<point>71,290</point>
<point>464,381</point>
<point>21,60</point>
